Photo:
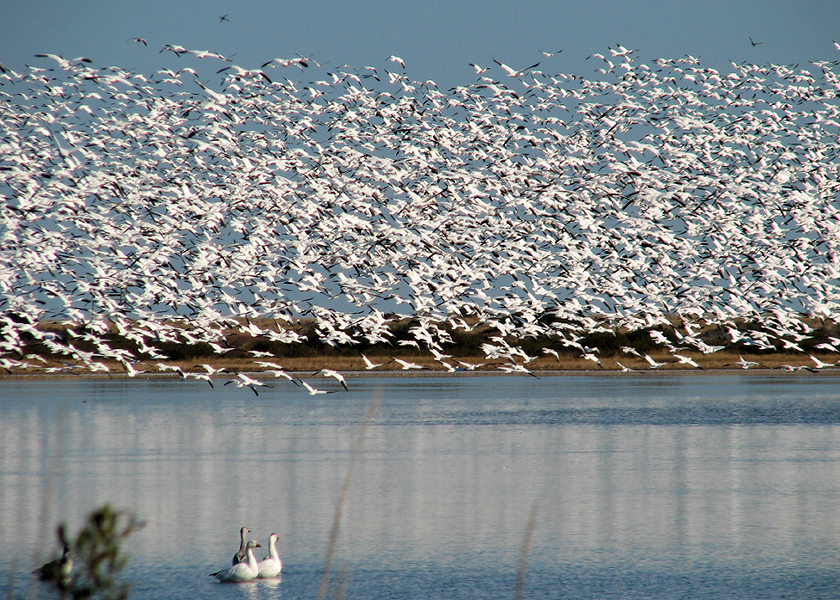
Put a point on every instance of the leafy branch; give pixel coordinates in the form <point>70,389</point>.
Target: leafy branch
<point>93,561</point>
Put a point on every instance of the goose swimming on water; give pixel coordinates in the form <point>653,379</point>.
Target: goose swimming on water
<point>241,572</point>
<point>57,571</point>
<point>271,565</point>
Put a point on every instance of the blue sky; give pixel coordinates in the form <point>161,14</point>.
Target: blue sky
<point>436,38</point>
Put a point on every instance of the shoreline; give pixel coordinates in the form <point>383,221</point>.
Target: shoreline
<point>723,362</point>
<point>116,353</point>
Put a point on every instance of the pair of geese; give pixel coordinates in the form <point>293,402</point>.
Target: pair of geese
<point>245,566</point>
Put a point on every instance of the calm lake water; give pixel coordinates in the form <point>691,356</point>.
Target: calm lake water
<point>646,486</point>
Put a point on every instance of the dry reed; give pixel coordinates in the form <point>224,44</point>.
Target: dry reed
<point>323,588</point>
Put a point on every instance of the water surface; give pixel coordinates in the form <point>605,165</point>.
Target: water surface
<point>646,486</point>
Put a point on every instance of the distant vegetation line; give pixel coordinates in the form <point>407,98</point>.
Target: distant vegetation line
<point>712,348</point>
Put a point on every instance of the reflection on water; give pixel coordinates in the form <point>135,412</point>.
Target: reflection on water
<point>662,486</point>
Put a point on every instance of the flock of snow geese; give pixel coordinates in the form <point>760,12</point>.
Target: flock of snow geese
<point>183,205</point>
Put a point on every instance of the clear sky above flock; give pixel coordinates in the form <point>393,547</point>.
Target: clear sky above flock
<point>436,38</point>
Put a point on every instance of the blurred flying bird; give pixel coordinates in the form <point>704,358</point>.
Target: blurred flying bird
<point>513,72</point>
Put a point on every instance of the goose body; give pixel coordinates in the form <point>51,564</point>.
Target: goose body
<point>241,572</point>
<point>58,570</point>
<point>271,565</point>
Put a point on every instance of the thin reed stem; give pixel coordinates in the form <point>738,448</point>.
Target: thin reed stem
<point>523,555</point>
<point>357,449</point>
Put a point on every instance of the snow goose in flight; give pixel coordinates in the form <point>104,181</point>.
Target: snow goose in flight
<point>469,366</point>
<point>686,360</point>
<point>276,370</point>
<point>369,364</point>
<point>202,377</point>
<point>620,51</point>
<point>653,363</point>
<point>177,50</point>
<point>630,350</point>
<point>820,364</point>
<point>516,368</point>
<point>335,375</point>
<point>241,572</point>
<point>743,363</point>
<point>63,62</point>
<point>243,380</point>
<point>552,352</point>
<point>314,391</point>
<point>593,357</point>
<point>511,72</point>
<point>271,565</point>
<point>406,365</point>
